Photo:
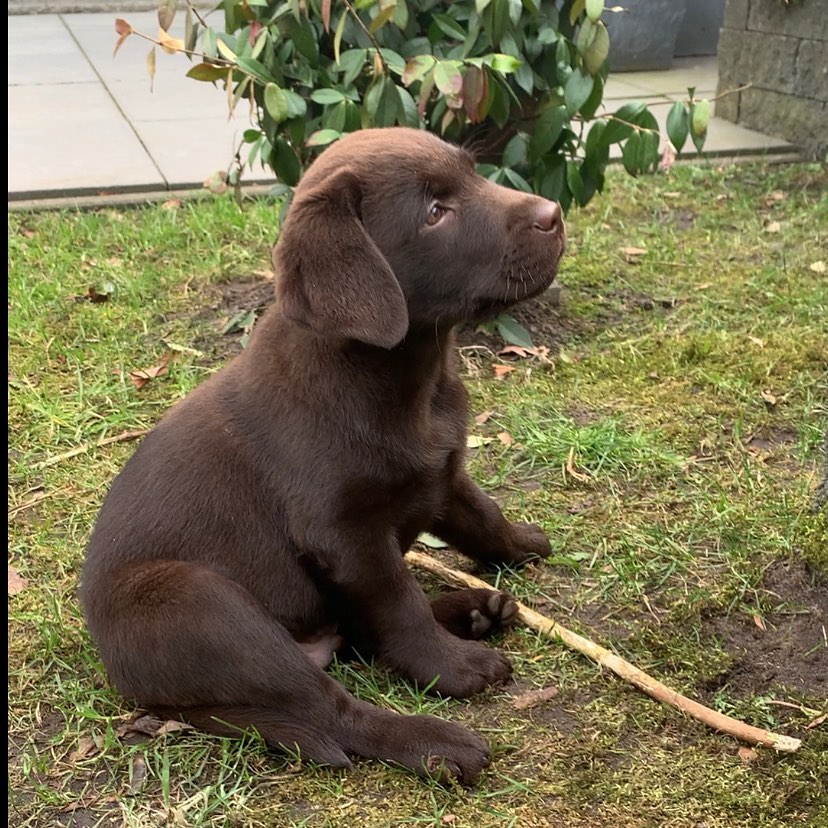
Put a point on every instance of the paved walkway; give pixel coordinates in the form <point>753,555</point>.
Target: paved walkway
<point>82,123</point>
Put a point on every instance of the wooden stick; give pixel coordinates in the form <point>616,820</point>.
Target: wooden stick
<point>84,447</point>
<point>622,668</point>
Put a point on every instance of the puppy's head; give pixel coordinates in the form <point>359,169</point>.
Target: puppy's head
<point>393,228</point>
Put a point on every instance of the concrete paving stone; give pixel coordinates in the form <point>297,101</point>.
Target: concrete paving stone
<point>700,72</point>
<point>617,87</point>
<point>42,50</point>
<point>189,153</point>
<point>72,138</point>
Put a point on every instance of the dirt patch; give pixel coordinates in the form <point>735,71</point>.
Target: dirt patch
<point>791,652</point>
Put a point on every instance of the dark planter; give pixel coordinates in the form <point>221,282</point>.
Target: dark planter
<point>699,33</point>
<point>644,37</point>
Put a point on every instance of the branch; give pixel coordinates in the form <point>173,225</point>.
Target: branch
<point>368,32</point>
<point>196,13</point>
<point>628,672</point>
<point>84,447</point>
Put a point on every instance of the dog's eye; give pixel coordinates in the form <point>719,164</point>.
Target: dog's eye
<point>435,213</point>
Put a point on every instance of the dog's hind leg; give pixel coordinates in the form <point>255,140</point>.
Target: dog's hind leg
<point>184,641</point>
<point>474,613</point>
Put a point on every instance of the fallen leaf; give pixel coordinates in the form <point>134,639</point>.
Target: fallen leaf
<point>183,349</point>
<point>16,583</point>
<point>147,725</point>
<point>757,619</point>
<point>217,182</point>
<point>747,754</point>
<point>171,204</point>
<point>721,198</point>
<point>533,698</point>
<point>633,254</point>
<point>522,352</point>
<point>93,295</point>
<point>818,267</point>
<point>475,441</point>
<point>506,438</point>
<point>774,198</point>
<point>502,370</point>
<point>671,195</point>
<point>30,234</point>
<point>816,722</point>
<point>87,746</point>
<point>429,540</point>
<point>570,467</point>
<point>769,398</point>
<point>137,774</point>
<point>264,274</point>
<point>448,819</point>
<point>483,417</point>
<point>141,376</point>
<point>756,341</point>
<point>773,227</point>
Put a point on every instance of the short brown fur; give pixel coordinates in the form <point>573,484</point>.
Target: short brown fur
<point>264,520</point>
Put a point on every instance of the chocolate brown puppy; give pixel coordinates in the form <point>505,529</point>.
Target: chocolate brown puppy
<point>264,520</point>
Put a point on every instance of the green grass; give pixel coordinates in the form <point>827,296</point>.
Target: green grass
<point>670,448</point>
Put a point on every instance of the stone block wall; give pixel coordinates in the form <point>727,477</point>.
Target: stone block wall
<point>782,51</point>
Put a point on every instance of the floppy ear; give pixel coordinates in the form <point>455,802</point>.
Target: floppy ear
<point>332,277</point>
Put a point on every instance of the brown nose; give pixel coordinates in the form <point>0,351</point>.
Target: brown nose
<point>547,217</point>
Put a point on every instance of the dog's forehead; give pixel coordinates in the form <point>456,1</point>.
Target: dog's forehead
<point>411,156</point>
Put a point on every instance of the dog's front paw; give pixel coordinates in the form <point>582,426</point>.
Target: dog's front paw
<point>527,543</point>
<point>468,667</point>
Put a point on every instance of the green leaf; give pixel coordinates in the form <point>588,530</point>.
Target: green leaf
<point>678,125</point>
<point>417,68</point>
<point>517,181</point>
<point>335,116</point>
<point>594,9</point>
<point>327,96</point>
<point>276,103</point>
<point>577,90</point>
<point>574,181</point>
<point>256,69</point>
<point>576,11</point>
<point>525,79</point>
<point>382,18</point>
<point>546,131</point>
<point>296,105</point>
<point>340,29</point>
<point>515,10</point>
<point>323,137</point>
<point>598,50</point>
<point>449,27</point>
<point>586,34</point>
<point>631,154</point>
<point>515,152</point>
<point>410,117</point>
<point>206,72</point>
<point>431,541</point>
<point>505,64</point>
<point>352,62</point>
<point>700,117</point>
<point>166,13</point>
<point>285,163</point>
<point>513,332</point>
<point>618,130</point>
<point>480,5</point>
<point>448,78</point>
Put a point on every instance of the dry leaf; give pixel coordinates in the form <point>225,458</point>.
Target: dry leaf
<point>756,341</point>
<point>816,722</point>
<point>92,295</point>
<point>170,45</point>
<point>502,370</point>
<point>217,182</point>
<point>773,227</point>
<point>747,754</point>
<point>757,619</point>
<point>633,254</point>
<point>137,774</point>
<point>533,698</point>
<point>448,819</point>
<point>475,441</point>
<point>818,267</point>
<point>671,195</point>
<point>506,438</point>
<point>769,398</point>
<point>483,417</point>
<point>703,286</point>
<point>146,725</point>
<point>173,726</point>
<point>570,467</point>
<point>151,66</point>
<point>171,204</point>
<point>141,376</point>
<point>87,746</point>
<point>16,583</point>
<point>721,198</point>
<point>522,352</point>
<point>774,198</point>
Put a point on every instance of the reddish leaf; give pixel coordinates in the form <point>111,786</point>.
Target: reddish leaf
<point>255,29</point>
<point>506,438</point>
<point>16,583</point>
<point>483,417</point>
<point>326,14</point>
<point>475,93</point>
<point>122,27</point>
<point>502,370</point>
<point>747,754</point>
<point>87,746</point>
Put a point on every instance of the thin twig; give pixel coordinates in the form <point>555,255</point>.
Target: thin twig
<point>197,14</point>
<point>27,504</point>
<point>731,91</point>
<point>369,33</point>
<point>652,687</point>
<point>84,447</point>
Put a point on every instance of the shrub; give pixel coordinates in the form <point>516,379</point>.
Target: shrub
<point>520,80</point>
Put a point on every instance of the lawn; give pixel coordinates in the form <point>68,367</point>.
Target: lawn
<point>670,444</point>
